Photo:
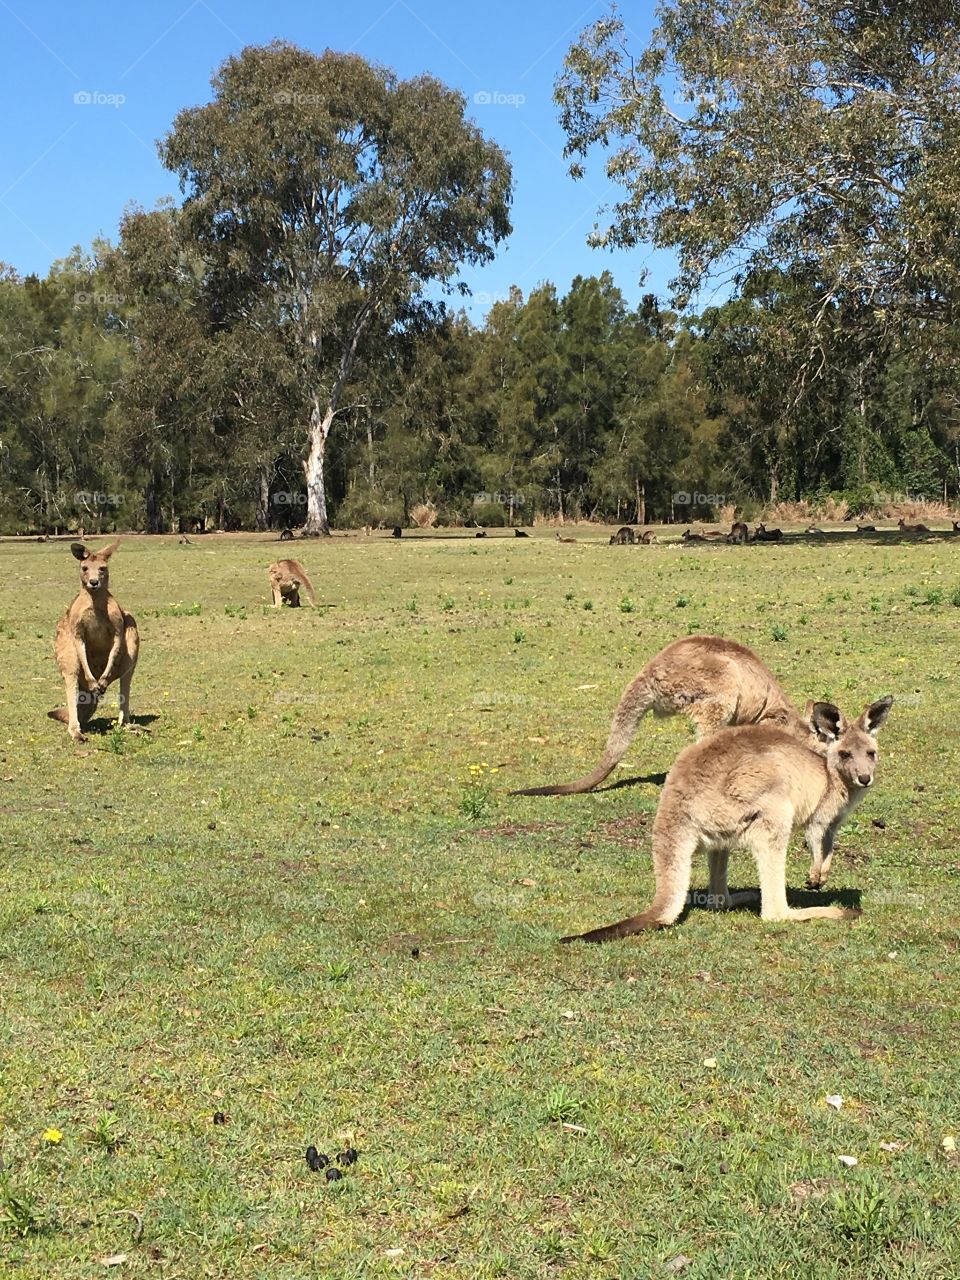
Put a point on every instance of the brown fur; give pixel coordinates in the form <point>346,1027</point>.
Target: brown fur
<point>624,537</point>
<point>648,537</point>
<point>748,788</point>
<point>286,579</point>
<point>562,539</point>
<point>763,534</point>
<point>912,528</point>
<point>97,643</point>
<point>739,533</point>
<point>714,682</point>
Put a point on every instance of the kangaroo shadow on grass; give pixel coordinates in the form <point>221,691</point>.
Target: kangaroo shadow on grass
<point>656,779</point>
<point>700,900</point>
<point>103,724</point>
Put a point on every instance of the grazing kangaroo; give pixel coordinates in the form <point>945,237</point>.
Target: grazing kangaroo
<point>623,537</point>
<point>286,535</point>
<point>739,533</point>
<point>286,579</point>
<point>97,643</point>
<point>648,537</point>
<point>749,788</point>
<point>763,534</point>
<point>714,682</point>
<point>912,528</point>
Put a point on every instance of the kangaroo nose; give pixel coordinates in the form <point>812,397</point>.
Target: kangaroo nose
<point>865,779</point>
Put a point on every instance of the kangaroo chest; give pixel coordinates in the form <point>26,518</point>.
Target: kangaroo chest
<point>97,630</point>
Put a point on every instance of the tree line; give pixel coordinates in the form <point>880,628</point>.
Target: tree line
<point>284,347</point>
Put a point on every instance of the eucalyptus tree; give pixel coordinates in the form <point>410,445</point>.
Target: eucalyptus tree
<point>808,135</point>
<point>326,194</point>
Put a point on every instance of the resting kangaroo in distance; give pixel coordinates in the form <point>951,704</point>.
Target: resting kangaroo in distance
<point>97,643</point>
<point>956,526</point>
<point>912,528</point>
<point>715,682</point>
<point>286,579</point>
<point>748,789</point>
<point>690,536</point>
<point>739,533</point>
<point>624,536</point>
<point>764,534</point>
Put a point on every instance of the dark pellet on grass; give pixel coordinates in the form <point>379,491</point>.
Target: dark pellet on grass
<point>333,1174</point>
<point>317,1160</point>
<point>219,1117</point>
<point>350,1156</point>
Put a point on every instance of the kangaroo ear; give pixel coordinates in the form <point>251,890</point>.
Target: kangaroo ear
<point>874,717</point>
<point>79,550</point>
<point>107,552</point>
<point>827,721</point>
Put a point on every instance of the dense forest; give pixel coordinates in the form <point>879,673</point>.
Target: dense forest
<point>139,411</point>
<point>285,347</point>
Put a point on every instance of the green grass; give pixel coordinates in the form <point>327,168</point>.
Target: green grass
<point>293,903</point>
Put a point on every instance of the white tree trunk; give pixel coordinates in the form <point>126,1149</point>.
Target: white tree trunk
<point>317,524</point>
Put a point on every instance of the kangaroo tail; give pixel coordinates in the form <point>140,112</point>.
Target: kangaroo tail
<point>308,586</point>
<point>638,698</point>
<point>673,850</point>
<point>60,714</point>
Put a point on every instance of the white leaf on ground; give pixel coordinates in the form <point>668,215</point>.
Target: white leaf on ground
<point>849,1161</point>
<point>834,1100</point>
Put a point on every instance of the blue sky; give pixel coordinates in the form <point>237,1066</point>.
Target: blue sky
<point>69,167</point>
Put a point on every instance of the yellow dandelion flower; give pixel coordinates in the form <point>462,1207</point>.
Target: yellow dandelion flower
<point>52,1136</point>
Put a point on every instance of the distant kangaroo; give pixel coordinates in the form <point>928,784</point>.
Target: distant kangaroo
<point>712,681</point>
<point>286,579</point>
<point>749,788</point>
<point>912,528</point>
<point>648,537</point>
<point>956,526</point>
<point>520,533</point>
<point>739,533</point>
<point>763,534</point>
<point>97,643</point>
<point>624,537</point>
<point>866,528</point>
<point>689,536</point>
<point>562,539</point>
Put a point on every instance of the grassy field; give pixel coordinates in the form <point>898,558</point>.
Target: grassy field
<point>294,903</point>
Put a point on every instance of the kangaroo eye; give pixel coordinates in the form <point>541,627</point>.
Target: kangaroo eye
<point>845,755</point>
<point>871,755</point>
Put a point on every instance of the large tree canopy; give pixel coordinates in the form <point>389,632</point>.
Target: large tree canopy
<point>325,194</point>
<point>809,135</point>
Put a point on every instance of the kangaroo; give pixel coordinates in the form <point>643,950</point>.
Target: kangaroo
<point>763,534</point>
<point>648,537</point>
<point>749,788</point>
<point>912,528</point>
<point>562,539</point>
<point>623,537</point>
<point>715,682</point>
<point>520,533</point>
<point>688,536</point>
<point>481,533</point>
<point>739,533</point>
<point>956,526</point>
<point>866,528</point>
<point>397,531</point>
<point>97,643</point>
<point>286,579</point>
<point>813,529</point>
<point>286,535</point>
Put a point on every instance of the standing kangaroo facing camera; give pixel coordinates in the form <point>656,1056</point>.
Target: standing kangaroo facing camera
<point>97,643</point>
<point>748,788</point>
<point>286,579</point>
